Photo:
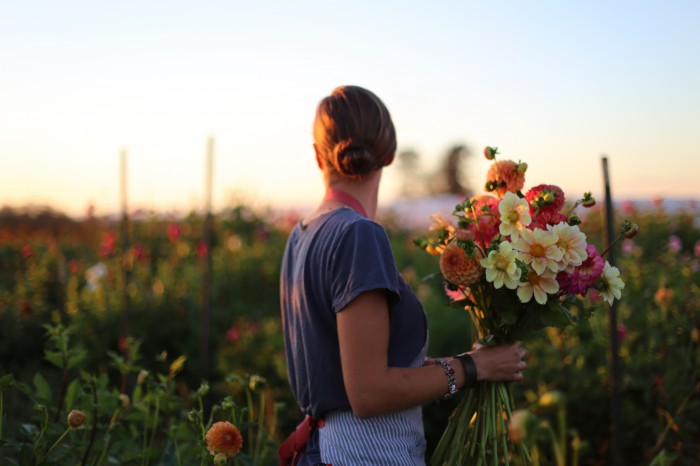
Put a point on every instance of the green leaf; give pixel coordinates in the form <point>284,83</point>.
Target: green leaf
<point>54,357</point>
<point>76,358</point>
<point>43,391</point>
<point>72,392</point>
<point>7,381</point>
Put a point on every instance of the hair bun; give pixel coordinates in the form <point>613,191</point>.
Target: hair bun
<point>353,159</point>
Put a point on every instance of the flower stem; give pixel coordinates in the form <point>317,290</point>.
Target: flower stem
<point>41,460</point>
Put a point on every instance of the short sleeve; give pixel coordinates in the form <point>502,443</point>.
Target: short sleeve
<point>363,262</point>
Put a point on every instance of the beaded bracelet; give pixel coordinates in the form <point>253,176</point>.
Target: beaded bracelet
<point>469,369</point>
<point>451,381</point>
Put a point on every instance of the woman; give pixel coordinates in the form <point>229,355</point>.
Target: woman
<point>355,333</point>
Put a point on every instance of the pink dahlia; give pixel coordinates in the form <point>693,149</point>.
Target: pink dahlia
<point>546,217</point>
<point>545,197</point>
<point>459,269</point>
<point>488,218</point>
<point>584,276</point>
<point>504,176</point>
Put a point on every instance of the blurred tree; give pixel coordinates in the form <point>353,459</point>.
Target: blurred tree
<point>412,179</point>
<point>450,178</point>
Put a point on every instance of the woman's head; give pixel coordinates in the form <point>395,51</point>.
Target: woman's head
<point>353,133</point>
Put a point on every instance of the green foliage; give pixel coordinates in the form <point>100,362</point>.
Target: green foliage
<point>146,311</point>
<point>157,420</point>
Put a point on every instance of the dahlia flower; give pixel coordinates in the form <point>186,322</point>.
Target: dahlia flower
<point>505,176</point>
<point>488,219</point>
<point>224,438</point>
<point>572,242</point>
<point>547,217</point>
<point>539,286</point>
<point>76,419</point>
<point>501,268</point>
<point>611,283</point>
<point>459,269</point>
<point>584,276</point>
<point>515,215</point>
<point>545,197</point>
<point>539,250</point>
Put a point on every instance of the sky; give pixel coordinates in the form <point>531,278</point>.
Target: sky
<point>555,84</point>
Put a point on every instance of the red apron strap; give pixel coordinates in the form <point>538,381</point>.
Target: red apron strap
<point>293,446</point>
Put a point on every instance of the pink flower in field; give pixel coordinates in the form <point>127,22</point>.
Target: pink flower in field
<point>674,244</point>
<point>174,232</point>
<point>621,332</point>
<point>139,252</point>
<point>109,241</point>
<point>505,176</point>
<point>583,277</point>
<point>628,207</point>
<point>545,197</point>
<point>27,252</point>
<point>658,202</point>
<point>202,249</point>
<point>696,248</point>
<point>233,334</point>
<point>73,266</point>
<point>629,247</point>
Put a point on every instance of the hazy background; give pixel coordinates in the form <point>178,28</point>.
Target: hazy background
<point>553,83</point>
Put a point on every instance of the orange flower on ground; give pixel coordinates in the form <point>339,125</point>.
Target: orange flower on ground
<point>459,269</point>
<point>224,438</point>
<point>76,419</point>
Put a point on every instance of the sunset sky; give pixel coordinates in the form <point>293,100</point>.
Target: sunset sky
<point>555,84</point>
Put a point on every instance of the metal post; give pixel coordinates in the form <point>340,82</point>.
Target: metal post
<point>124,248</point>
<point>616,458</point>
<point>206,285</point>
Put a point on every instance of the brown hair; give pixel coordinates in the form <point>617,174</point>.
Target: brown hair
<point>353,132</point>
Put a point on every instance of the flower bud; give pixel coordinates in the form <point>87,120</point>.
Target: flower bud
<point>256,382</point>
<point>573,219</point>
<point>631,230</point>
<point>76,419</point>
<point>124,398</point>
<point>521,168</point>
<point>588,200</point>
<point>220,459</point>
<point>142,376</point>
<point>490,152</point>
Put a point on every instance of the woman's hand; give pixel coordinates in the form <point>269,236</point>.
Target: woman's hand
<point>501,363</point>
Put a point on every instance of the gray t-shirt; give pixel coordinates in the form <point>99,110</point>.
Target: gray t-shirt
<point>327,264</point>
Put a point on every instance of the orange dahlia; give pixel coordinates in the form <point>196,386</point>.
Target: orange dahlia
<point>224,438</point>
<point>459,269</point>
<point>504,176</point>
<point>76,419</point>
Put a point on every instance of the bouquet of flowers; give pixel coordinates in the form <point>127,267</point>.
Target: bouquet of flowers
<point>517,263</point>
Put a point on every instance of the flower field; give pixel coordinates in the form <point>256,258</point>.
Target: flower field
<point>172,349</point>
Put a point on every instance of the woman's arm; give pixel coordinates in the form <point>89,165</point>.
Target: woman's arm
<point>374,388</point>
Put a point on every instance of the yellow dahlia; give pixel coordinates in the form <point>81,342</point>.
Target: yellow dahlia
<point>572,242</point>
<point>515,215</point>
<point>539,250</point>
<point>538,286</point>
<point>611,284</point>
<point>501,268</point>
<point>459,269</point>
<point>224,438</point>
